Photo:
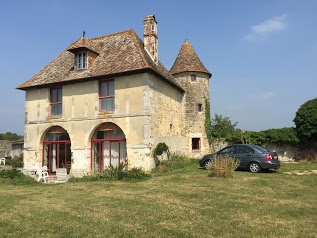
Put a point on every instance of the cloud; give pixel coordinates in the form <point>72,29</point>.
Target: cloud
<point>262,97</point>
<point>266,27</point>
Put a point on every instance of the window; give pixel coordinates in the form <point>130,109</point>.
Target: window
<point>108,147</point>
<point>228,150</point>
<point>81,60</point>
<point>193,77</point>
<point>195,143</point>
<point>57,150</point>
<point>199,107</point>
<point>106,95</point>
<point>56,101</point>
<point>245,149</point>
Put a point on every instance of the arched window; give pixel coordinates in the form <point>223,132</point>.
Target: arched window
<point>56,149</point>
<point>108,147</point>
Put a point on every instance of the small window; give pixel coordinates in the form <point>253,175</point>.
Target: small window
<point>199,107</point>
<point>195,143</point>
<point>81,60</point>
<point>56,95</point>
<point>106,95</point>
<point>193,77</point>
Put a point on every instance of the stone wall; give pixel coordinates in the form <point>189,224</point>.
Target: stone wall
<point>285,152</point>
<point>194,120</point>
<point>165,108</point>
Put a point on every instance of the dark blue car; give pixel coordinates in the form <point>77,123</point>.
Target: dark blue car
<point>252,157</point>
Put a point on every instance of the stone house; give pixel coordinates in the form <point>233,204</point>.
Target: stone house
<point>5,148</point>
<point>11,148</point>
<point>109,99</point>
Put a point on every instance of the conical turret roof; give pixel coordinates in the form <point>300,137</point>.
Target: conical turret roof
<point>188,61</point>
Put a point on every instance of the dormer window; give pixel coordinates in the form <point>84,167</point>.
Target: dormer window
<point>81,60</point>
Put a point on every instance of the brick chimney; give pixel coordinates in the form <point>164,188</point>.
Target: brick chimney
<point>150,36</point>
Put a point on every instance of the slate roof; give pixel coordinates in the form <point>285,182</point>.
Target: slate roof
<point>118,54</point>
<point>188,61</point>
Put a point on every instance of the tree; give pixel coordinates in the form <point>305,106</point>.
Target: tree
<point>306,121</point>
<point>10,136</point>
<point>222,126</point>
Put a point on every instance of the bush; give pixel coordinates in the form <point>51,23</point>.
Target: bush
<point>306,153</point>
<point>174,161</point>
<point>115,173</point>
<point>159,150</point>
<point>137,174</point>
<point>223,166</point>
<point>11,174</point>
<point>17,161</point>
<point>16,177</point>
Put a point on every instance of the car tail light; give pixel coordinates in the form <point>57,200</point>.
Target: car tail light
<point>268,157</point>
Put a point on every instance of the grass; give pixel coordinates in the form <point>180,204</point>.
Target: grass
<point>179,203</point>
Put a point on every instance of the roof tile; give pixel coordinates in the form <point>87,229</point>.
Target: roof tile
<point>188,61</point>
<point>119,53</point>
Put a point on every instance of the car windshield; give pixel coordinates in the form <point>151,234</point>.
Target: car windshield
<point>261,149</point>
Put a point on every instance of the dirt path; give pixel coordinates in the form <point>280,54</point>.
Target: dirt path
<point>302,172</point>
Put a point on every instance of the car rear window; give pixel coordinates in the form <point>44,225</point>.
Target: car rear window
<point>261,149</point>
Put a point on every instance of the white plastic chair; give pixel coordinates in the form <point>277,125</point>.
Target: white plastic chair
<point>3,160</point>
<point>61,175</point>
<point>42,174</point>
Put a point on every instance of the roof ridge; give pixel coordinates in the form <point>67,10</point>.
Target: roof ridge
<point>112,34</point>
<point>138,39</point>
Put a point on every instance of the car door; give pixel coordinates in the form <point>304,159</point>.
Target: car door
<point>245,155</point>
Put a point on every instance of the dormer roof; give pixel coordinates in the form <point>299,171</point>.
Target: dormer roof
<point>119,54</point>
<point>81,44</point>
<point>188,61</point>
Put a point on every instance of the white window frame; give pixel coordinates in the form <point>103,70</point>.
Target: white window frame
<point>81,60</point>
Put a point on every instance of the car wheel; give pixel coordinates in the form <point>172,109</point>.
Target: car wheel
<point>207,164</point>
<point>254,167</point>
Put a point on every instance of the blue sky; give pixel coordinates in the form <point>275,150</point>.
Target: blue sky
<point>262,54</point>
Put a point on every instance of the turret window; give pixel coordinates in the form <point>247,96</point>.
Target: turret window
<point>193,77</point>
<point>199,107</point>
<point>195,143</point>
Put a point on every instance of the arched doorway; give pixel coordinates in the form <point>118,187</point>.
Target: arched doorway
<point>56,149</point>
<point>108,147</point>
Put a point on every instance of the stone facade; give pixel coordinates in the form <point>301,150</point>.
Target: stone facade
<point>197,91</point>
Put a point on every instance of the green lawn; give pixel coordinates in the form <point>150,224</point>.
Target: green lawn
<point>181,203</point>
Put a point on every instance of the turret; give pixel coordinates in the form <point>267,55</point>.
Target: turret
<point>194,78</point>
